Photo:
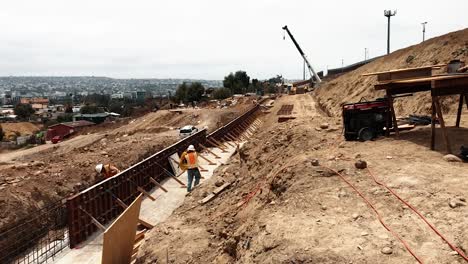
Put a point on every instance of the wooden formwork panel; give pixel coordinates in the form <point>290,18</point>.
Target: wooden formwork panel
<point>119,238</point>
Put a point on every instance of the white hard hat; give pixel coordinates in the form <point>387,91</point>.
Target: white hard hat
<point>99,168</point>
<point>191,147</point>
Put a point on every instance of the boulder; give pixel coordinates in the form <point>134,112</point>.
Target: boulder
<point>451,158</point>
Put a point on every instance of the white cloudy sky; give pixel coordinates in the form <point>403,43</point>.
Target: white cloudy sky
<point>206,38</point>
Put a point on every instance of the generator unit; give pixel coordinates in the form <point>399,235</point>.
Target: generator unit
<point>365,120</point>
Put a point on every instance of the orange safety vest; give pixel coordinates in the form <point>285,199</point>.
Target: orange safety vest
<point>108,171</point>
<point>192,160</point>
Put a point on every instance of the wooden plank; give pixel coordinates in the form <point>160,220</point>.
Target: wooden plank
<point>177,180</point>
<point>220,143</point>
<point>215,193</point>
<point>438,66</point>
<point>145,224</point>
<point>139,236</point>
<point>205,158</point>
<point>157,184</point>
<point>222,187</point>
<point>407,74</point>
<point>442,124</point>
<point>146,193</point>
<point>208,150</point>
<point>460,107</point>
<point>119,238</point>
<point>94,220</point>
<point>216,145</point>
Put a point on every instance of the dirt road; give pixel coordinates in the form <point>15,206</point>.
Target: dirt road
<point>282,209</point>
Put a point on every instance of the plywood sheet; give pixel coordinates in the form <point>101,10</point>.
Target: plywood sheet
<point>119,238</point>
<point>174,161</point>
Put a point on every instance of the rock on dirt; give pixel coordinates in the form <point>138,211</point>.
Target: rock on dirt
<point>456,202</point>
<point>315,162</point>
<point>360,164</point>
<point>451,158</point>
<point>387,250</point>
<point>324,125</point>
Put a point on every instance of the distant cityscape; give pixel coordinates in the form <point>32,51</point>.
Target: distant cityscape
<point>13,89</point>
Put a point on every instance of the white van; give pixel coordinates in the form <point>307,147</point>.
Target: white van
<point>187,131</point>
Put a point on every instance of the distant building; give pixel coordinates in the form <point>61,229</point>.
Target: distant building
<point>95,118</point>
<point>66,129</point>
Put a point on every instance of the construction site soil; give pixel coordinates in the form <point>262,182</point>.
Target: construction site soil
<point>283,209</point>
<point>351,87</point>
<point>33,178</point>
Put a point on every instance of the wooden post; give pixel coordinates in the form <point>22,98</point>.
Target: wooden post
<point>146,193</point>
<point>241,134</point>
<point>207,149</point>
<point>460,106</point>
<point>433,120</point>
<point>124,206</point>
<point>201,168</point>
<point>203,157</point>
<point>96,222</point>
<point>392,109</point>
<point>157,184</point>
<point>229,143</point>
<point>216,145</point>
<point>442,124</point>
<point>466,100</point>
<point>177,180</point>
<point>231,137</point>
<point>220,143</point>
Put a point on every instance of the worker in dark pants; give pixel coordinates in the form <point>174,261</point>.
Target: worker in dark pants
<point>189,161</point>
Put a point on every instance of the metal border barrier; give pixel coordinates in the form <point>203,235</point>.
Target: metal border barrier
<point>99,200</point>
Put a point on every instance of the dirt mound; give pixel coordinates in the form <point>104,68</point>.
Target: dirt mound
<point>283,209</point>
<point>351,87</point>
<point>23,128</point>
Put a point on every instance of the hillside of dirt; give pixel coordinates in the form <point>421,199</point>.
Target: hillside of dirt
<point>33,178</point>
<point>22,128</point>
<point>351,87</point>
<point>281,208</point>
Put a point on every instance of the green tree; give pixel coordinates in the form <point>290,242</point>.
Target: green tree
<point>222,93</point>
<point>67,117</point>
<point>189,93</point>
<point>24,111</point>
<point>181,93</point>
<point>97,99</point>
<point>195,92</point>
<point>90,109</point>
<point>237,82</point>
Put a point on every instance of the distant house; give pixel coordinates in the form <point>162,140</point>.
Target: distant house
<point>66,129</point>
<point>95,118</point>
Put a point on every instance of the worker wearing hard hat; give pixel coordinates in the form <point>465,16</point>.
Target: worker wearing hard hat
<point>189,161</point>
<point>107,170</point>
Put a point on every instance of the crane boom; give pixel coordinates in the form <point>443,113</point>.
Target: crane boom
<point>312,72</point>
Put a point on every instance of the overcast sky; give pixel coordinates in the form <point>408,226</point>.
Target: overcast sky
<point>207,39</point>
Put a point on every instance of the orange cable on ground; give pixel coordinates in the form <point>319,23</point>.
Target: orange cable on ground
<point>377,213</point>
<point>420,215</point>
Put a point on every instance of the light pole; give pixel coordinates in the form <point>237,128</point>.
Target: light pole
<point>424,30</point>
<point>388,14</point>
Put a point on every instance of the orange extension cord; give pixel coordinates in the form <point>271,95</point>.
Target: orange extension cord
<point>420,215</point>
<point>377,213</point>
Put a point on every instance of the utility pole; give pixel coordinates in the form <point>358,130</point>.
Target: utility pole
<point>424,30</point>
<point>388,14</point>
